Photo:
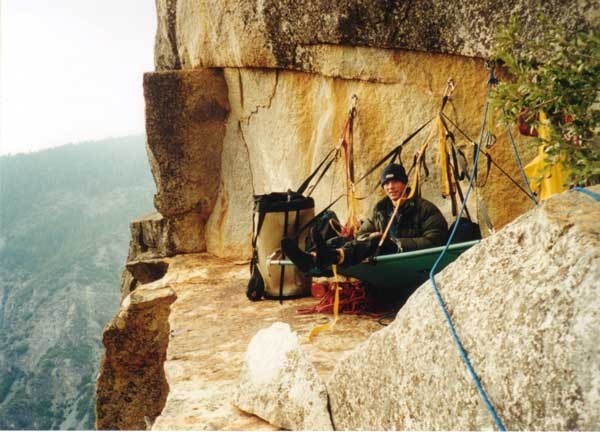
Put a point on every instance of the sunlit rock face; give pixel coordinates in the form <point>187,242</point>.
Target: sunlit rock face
<point>278,102</point>
<point>280,125</point>
<point>525,305</point>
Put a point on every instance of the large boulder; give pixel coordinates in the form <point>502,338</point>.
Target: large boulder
<point>525,303</point>
<point>279,384</point>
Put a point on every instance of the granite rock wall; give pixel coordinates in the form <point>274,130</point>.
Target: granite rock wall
<point>248,96</point>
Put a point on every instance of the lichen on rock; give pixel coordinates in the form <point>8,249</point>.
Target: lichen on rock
<point>274,33</point>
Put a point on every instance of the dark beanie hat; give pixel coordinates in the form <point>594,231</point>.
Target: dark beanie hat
<point>393,171</point>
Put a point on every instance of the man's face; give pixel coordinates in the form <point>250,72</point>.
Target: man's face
<point>394,189</point>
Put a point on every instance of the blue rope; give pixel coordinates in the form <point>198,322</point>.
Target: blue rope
<point>461,349</point>
<point>516,152</point>
<point>587,192</point>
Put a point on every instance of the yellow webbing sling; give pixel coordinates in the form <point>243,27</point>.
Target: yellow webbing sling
<point>336,306</point>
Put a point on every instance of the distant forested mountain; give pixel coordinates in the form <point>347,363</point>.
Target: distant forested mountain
<point>64,234</point>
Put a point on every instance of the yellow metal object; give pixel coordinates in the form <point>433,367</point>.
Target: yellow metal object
<point>545,178</point>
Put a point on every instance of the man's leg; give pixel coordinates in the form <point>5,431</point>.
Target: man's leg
<point>304,261</point>
<point>357,251</point>
<point>351,253</point>
<point>321,255</point>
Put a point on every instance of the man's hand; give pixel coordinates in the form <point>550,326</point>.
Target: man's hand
<point>375,234</point>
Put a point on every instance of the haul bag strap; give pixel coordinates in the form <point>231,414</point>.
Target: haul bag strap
<point>261,220</point>
<point>282,268</point>
<point>254,260</point>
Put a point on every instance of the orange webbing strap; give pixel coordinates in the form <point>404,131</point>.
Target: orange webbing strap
<point>448,181</point>
<point>397,205</point>
<point>443,160</point>
<point>352,220</point>
<point>336,307</point>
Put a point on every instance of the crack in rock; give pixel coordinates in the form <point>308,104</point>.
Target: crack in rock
<point>258,107</point>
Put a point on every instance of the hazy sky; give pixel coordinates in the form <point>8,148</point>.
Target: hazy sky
<point>71,70</point>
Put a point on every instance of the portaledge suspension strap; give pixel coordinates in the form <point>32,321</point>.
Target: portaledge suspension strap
<point>518,159</point>
<point>490,159</point>
<point>459,345</point>
<point>306,182</point>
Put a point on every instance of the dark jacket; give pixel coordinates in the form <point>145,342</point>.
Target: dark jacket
<point>419,224</point>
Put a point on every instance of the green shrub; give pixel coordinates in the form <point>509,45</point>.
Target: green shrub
<point>557,72</point>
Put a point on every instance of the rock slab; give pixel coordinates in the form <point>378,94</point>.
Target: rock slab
<point>525,303</point>
<point>279,384</point>
<point>185,126</point>
<point>131,386</point>
<point>288,33</point>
